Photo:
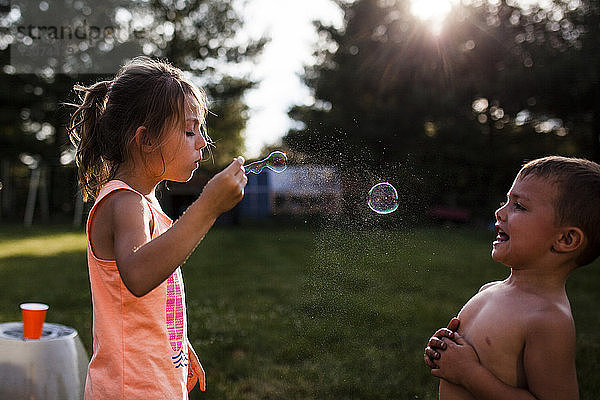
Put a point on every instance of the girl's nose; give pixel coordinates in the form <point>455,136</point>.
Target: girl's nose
<point>201,141</point>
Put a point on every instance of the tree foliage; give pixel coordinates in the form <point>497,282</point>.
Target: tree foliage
<point>199,36</point>
<point>461,104</point>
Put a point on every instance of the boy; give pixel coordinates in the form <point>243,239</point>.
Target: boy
<point>515,339</point>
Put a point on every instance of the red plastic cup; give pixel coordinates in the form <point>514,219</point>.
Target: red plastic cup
<point>34,315</point>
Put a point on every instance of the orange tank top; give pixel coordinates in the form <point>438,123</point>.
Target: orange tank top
<point>140,346</point>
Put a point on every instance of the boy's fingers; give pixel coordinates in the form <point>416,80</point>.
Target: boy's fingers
<point>432,354</point>
<point>429,362</point>
<point>459,339</point>
<point>435,342</point>
<point>444,332</point>
<point>454,324</point>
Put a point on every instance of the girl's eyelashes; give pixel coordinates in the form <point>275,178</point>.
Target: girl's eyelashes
<point>190,133</point>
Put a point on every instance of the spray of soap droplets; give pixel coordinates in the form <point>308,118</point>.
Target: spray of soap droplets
<point>383,198</point>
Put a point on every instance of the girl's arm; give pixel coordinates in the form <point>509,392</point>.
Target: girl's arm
<point>143,263</point>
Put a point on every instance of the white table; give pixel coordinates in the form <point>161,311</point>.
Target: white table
<point>50,368</point>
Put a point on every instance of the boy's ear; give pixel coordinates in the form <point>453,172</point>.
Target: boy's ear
<point>142,139</point>
<point>570,239</point>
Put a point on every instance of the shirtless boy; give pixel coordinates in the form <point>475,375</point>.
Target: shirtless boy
<point>515,339</point>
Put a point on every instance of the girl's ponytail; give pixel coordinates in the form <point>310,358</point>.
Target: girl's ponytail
<point>85,133</point>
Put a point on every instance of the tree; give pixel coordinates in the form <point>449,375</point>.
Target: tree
<point>203,42</point>
<point>198,36</point>
<point>462,108</point>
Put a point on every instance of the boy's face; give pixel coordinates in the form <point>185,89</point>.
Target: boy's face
<point>526,224</point>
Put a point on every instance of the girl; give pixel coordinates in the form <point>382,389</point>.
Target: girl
<point>143,127</point>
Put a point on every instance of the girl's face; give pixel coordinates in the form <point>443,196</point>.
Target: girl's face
<point>526,223</point>
<point>182,150</point>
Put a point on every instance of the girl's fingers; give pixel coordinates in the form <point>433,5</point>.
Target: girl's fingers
<point>240,169</point>
<point>236,166</point>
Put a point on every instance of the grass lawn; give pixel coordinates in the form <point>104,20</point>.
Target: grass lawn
<point>290,313</point>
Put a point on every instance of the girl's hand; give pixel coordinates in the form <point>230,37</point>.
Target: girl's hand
<point>437,343</point>
<point>195,371</point>
<point>226,188</point>
<point>456,360</point>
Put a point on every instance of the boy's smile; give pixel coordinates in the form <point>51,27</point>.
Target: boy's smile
<point>502,236</point>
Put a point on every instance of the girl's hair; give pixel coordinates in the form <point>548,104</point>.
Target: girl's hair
<point>145,92</point>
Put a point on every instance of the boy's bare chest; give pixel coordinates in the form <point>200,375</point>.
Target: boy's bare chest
<point>494,326</point>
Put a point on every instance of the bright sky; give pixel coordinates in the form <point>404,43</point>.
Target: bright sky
<point>289,25</point>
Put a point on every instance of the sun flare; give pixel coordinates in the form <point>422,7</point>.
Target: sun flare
<point>431,10</point>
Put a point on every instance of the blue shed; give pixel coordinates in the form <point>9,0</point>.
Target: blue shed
<point>256,203</point>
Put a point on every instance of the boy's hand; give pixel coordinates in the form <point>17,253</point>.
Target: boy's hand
<point>436,343</point>
<point>457,358</point>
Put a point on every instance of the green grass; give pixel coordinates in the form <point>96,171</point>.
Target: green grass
<point>285,313</point>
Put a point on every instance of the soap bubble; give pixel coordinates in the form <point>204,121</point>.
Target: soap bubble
<point>276,161</point>
<point>383,198</point>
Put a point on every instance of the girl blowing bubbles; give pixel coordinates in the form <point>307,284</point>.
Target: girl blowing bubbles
<point>143,127</point>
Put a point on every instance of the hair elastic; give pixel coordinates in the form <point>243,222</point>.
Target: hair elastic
<point>110,85</point>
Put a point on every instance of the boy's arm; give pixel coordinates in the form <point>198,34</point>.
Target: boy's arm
<point>548,361</point>
<point>460,365</point>
<point>549,356</point>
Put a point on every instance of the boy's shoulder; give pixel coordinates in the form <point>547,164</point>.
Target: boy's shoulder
<point>488,285</point>
<point>502,320</point>
<point>546,314</point>
<point>528,308</point>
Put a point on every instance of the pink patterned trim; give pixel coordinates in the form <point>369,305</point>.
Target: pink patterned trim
<point>174,312</point>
